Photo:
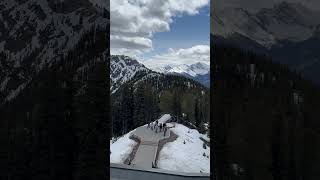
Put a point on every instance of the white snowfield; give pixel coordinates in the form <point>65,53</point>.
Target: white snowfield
<point>175,156</point>
<point>164,118</point>
<point>188,157</point>
<point>121,148</point>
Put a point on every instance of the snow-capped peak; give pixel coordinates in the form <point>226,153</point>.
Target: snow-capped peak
<point>34,34</point>
<point>123,69</point>
<point>191,70</point>
<point>267,26</point>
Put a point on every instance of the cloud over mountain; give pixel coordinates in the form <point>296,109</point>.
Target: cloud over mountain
<point>198,53</point>
<point>133,22</point>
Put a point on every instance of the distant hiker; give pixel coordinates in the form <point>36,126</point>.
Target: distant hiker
<point>155,125</point>
<point>148,125</point>
<point>161,126</point>
<point>164,129</point>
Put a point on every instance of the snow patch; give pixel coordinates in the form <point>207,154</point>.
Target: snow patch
<point>164,118</point>
<point>186,153</point>
<point>121,148</point>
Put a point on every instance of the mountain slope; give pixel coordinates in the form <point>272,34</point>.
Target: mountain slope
<point>285,32</point>
<point>36,33</point>
<point>144,94</point>
<point>126,70</point>
<point>198,71</point>
<point>270,109</point>
<point>268,26</point>
<point>53,98</point>
<point>123,69</point>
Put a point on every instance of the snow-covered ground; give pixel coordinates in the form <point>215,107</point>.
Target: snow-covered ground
<point>185,154</point>
<point>164,118</point>
<point>188,157</point>
<point>121,148</point>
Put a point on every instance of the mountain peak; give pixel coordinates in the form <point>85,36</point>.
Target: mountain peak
<point>285,21</point>
<point>123,69</point>
<point>191,70</point>
<point>198,71</point>
<point>128,60</point>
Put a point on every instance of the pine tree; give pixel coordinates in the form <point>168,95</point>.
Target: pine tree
<point>139,106</point>
<point>92,126</point>
<point>176,106</point>
<point>196,114</point>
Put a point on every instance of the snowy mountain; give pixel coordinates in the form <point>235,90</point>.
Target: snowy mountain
<point>287,32</point>
<point>268,26</point>
<point>34,34</point>
<point>192,70</point>
<point>53,59</point>
<point>123,69</point>
<point>198,71</point>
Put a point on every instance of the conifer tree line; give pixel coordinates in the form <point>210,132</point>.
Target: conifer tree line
<point>141,101</point>
<point>265,118</point>
<point>57,127</point>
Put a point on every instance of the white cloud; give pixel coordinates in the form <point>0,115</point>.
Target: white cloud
<point>198,53</point>
<point>133,22</point>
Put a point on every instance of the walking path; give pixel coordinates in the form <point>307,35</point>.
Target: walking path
<point>146,153</point>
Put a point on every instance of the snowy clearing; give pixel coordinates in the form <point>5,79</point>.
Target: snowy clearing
<point>188,157</point>
<point>164,118</point>
<point>121,148</point>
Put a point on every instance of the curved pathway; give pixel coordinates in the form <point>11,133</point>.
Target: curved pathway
<point>146,153</point>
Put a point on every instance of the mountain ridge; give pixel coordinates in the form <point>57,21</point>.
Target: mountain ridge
<point>284,32</point>
<point>267,26</point>
<point>36,34</point>
<point>197,71</point>
<point>124,69</point>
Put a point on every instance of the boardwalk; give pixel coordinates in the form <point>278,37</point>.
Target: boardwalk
<point>147,150</point>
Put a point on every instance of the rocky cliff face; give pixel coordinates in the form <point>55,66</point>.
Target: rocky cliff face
<point>123,69</point>
<point>36,33</point>
<point>287,32</point>
<point>268,26</point>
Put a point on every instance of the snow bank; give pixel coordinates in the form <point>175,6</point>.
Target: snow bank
<point>121,148</point>
<point>164,118</point>
<point>188,157</point>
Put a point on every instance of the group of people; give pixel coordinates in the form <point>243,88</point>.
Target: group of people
<point>158,127</point>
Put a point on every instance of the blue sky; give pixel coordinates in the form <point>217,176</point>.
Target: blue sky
<point>161,32</point>
<point>185,31</point>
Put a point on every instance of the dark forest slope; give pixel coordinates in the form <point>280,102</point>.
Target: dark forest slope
<point>265,118</point>
<point>148,95</point>
<point>56,127</point>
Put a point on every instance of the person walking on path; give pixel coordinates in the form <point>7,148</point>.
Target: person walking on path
<point>164,129</point>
